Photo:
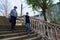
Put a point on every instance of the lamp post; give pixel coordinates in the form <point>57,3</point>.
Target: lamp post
<point>21,7</point>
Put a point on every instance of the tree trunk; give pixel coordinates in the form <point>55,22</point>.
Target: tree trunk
<point>44,15</point>
<point>45,19</point>
<point>44,9</point>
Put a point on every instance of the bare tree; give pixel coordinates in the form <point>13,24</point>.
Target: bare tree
<point>4,7</point>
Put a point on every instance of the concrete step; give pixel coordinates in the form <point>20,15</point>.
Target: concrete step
<point>11,35</point>
<point>40,38</point>
<point>33,38</point>
<point>8,32</point>
<point>14,35</point>
<point>10,29</point>
<point>19,37</point>
<point>28,36</point>
<point>7,27</point>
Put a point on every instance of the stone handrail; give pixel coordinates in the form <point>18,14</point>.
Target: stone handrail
<point>44,28</point>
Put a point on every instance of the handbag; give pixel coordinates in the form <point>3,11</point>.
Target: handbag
<point>9,19</point>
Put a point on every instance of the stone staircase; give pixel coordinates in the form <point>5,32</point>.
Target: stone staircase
<point>18,34</point>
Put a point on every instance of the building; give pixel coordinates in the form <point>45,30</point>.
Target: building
<point>56,12</point>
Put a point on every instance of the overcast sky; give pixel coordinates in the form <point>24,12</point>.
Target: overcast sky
<point>17,3</point>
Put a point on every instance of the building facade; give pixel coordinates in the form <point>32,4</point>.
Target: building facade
<point>56,12</point>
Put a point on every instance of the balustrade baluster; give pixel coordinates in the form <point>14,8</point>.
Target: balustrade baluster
<point>51,33</point>
<point>43,27</point>
<point>55,36</point>
<point>47,30</point>
<point>32,27</point>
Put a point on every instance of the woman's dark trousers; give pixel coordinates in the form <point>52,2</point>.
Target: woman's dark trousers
<point>13,23</point>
